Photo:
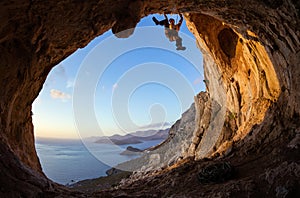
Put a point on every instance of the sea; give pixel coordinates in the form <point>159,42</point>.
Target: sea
<point>68,161</point>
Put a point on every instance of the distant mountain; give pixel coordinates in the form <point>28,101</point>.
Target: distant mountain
<point>119,140</point>
<point>135,137</point>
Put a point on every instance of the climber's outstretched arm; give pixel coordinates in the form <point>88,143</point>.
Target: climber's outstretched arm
<point>181,20</point>
<point>166,17</point>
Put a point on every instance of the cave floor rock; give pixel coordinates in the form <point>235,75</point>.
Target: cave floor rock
<point>271,172</point>
<point>274,174</point>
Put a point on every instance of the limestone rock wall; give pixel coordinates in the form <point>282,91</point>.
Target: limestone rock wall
<point>251,51</point>
<point>240,78</point>
<point>167,153</point>
<point>249,70</point>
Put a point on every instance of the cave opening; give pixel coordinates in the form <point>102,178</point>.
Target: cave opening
<point>156,85</point>
<point>258,70</point>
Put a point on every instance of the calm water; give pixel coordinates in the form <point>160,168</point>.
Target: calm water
<point>66,161</point>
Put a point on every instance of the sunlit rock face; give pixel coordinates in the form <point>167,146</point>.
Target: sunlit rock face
<point>251,61</point>
<point>167,153</point>
<point>240,78</point>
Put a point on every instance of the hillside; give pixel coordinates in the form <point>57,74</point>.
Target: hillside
<point>135,137</point>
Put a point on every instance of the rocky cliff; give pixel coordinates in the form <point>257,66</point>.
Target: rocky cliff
<point>167,153</point>
<point>251,56</point>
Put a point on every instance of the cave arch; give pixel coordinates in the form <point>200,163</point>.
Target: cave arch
<point>35,36</point>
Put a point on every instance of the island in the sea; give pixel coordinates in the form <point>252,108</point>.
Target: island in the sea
<point>134,138</point>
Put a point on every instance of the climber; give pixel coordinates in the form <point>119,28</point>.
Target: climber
<point>171,30</point>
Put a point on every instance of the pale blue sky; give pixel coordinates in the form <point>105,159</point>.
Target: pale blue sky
<point>140,86</point>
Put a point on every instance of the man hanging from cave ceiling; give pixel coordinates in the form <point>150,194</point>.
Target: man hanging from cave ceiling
<point>171,30</point>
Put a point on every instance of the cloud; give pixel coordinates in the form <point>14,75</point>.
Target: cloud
<point>70,83</point>
<point>115,86</point>
<point>56,94</point>
<point>156,125</point>
<point>197,81</point>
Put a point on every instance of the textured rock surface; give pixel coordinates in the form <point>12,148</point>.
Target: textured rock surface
<point>247,83</point>
<point>252,56</point>
<point>174,148</point>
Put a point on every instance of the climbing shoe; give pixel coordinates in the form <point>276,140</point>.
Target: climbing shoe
<point>155,20</point>
<point>181,48</point>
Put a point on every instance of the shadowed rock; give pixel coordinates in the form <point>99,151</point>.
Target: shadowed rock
<point>260,117</point>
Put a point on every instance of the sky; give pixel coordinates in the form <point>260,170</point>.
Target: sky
<point>118,86</point>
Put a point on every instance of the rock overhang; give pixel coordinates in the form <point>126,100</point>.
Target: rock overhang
<point>35,36</point>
